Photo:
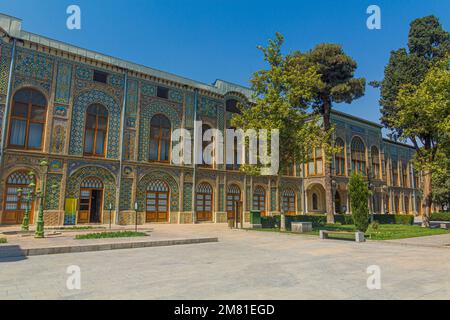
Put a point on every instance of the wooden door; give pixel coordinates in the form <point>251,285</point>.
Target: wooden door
<point>204,203</point>
<point>157,206</point>
<point>233,196</point>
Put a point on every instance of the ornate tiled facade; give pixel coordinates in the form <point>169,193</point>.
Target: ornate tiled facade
<point>70,87</point>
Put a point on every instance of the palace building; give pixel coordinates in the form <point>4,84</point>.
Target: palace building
<point>105,124</point>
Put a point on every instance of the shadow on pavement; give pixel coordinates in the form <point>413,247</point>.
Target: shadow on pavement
<point>11,253</point>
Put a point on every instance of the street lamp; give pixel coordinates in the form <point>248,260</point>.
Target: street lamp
<point>135,215</point>
<point>28,199</point>
<point>110,209</point>
<point>40,195</point>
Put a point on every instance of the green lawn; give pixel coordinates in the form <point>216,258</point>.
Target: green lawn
<point>103,235</point>
<point>384,232</point>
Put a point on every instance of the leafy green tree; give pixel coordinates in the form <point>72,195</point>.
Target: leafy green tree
<point>337,71</point>
<point>283,93</point>
<point>359,195</point>
<point>417,121</point>
<point>423,112</point>
<point>428,42</point>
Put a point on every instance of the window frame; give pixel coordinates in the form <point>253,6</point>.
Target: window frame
<point>96,130</point>
<point>160,139</point>
<point>28,120</point>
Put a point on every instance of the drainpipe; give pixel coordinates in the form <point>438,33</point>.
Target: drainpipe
<point>194,173</point>
<point>122,120</point>
<point>7,104</point>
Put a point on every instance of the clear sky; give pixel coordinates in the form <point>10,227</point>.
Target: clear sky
<point>209,39</point>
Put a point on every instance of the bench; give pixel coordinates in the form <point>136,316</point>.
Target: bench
<point>301,227</point>
<point>359,236</point>
<point>445,225</point>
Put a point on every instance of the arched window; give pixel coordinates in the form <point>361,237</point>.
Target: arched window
<point>237,154</point>
<point>358,156</point>
<point>206,127</point>
<point>259,200</point>
<point>14,205</point>
<point>233,196</point>
<point>404,165</point>
<point>288,201</point>
<point>375,155</point>
<point>96,130</point>
<point>315,165</point>
<point>397,204</point>
<point>160,137</point>
<point>27,120</point>
<point>339,163</point>
<point>315,202</point>
<point>395,181</point>
<point>204,202</point>
<point>157,202</point>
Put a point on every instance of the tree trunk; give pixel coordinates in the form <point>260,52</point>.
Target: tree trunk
<point>329,198</point>
<point>427,199</point>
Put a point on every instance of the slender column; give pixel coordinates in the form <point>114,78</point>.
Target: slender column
<point>122,132</point>
<point>194,166</point>
<point>7,103</point>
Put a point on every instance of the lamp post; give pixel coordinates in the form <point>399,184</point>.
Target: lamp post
<point>40,195</point>
<point>136,215</point>
<point>110,210</point>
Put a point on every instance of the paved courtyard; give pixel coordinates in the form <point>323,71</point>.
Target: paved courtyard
<point>242,265</point>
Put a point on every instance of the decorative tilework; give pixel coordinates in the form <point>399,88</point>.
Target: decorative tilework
<point>58,139</point>
<point>208,107</point>
<point>132,97</point>
<point>31,64</point>
<point>147,113</point>
<point>82,102</point>
<point>107,178</point>
<point>273,197</point>
<point>84,73</point>
<point>60,111</point>
<point>148,89</point>
<point>187,196</point>
<point>75,165</point>
<point>56,165</point>
<point>126,186</point>
<point>189,113</point>
<point>63,82</point>
<point>221,197</point>
<point>158,175</point>
<point>128,145</point>
<point>5,61</point>
<point>52,191</point>
<point>176,95</point>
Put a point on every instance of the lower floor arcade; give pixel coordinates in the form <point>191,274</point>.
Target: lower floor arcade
<point>81,192</point>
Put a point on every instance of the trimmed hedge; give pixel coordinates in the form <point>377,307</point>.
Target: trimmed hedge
<point>406,219</point>
<point>320,220</point>
<point>440,216</point>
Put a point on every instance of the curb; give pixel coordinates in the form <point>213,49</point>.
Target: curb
<point>15,251</point>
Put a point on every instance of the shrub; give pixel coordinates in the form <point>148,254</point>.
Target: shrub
<point>359,193</point>
<point>103,235</point>
<point>344,219</point>
<point>406,219</point>
<point>3,240</point>
<point>440,216</point>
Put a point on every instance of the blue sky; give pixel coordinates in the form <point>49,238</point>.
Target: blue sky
<point>209,39</point>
